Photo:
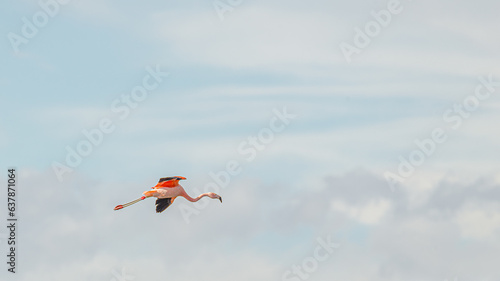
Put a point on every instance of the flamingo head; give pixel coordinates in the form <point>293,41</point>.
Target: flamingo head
<point>214,196</point>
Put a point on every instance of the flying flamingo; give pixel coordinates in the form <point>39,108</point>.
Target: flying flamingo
<point>166,191</point>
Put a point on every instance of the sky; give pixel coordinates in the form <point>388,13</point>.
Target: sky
<point>350,140</point>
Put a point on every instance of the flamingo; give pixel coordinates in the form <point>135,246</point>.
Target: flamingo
<point>165,191</point>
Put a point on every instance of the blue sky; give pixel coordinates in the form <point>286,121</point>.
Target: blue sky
<point>322,175</point>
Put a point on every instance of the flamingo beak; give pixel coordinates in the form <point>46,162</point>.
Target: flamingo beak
<point>220,198</point>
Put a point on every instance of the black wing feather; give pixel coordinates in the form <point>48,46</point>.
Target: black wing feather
<point>171,178</point>
<point>162,204</point>
<point>167,179</point>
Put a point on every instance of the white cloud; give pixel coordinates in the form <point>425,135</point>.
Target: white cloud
<point>479,221</point>
<point>259,36</point>
<point>79,233</point>
<point>370,213</point>
<point>256,37</point>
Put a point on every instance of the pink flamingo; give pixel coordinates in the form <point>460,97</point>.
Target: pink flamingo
<point>166,191</point>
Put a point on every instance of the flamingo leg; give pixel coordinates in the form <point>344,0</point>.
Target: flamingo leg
<point>129,203</point>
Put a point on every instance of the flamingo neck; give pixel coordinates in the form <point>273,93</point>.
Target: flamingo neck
<point>189,198</point>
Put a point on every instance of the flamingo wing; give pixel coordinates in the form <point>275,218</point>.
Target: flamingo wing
<point>169,181</point>
<point>162,204</point>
